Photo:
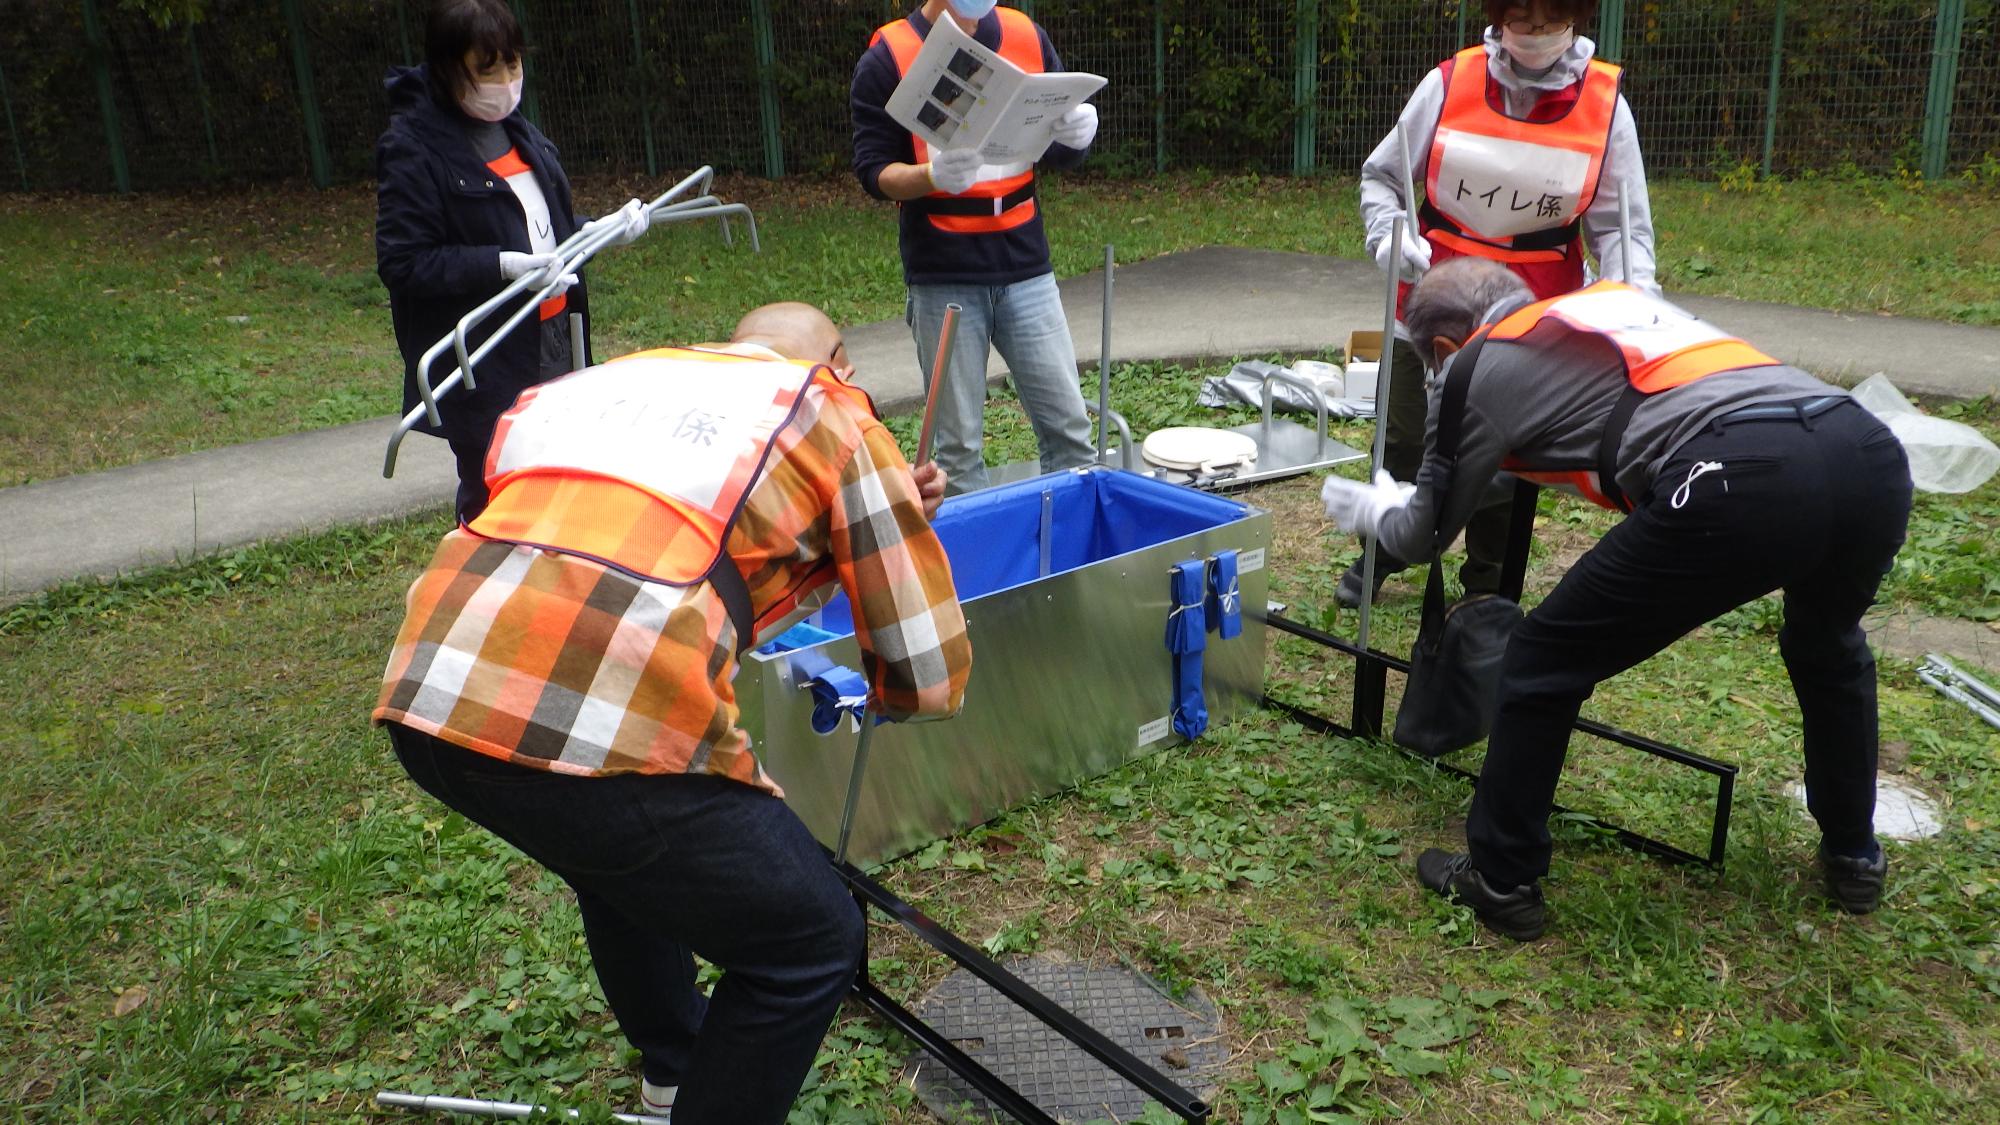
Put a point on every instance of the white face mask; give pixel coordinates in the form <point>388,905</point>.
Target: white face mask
<point>1537,52</point>
<point>491,101</point>
<point>971,9</point>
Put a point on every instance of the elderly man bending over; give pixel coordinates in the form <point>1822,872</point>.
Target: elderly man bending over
<point>1740,475</point>
<point>563,679</point>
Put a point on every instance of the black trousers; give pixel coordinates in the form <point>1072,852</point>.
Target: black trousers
<point>1816,507</point>
<point>664,868</point>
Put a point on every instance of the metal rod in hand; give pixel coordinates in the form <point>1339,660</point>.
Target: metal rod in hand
<point>481,1107</point>
<point>1625,230</point>
<point>854,781</point>
<point>1409,181</point>
<point>940,371</point>
<point>1104,359</point>
<point>1384,373</point>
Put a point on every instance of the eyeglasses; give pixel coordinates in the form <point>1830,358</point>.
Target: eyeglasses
<point>838,358</point>
<point>1526,26</point>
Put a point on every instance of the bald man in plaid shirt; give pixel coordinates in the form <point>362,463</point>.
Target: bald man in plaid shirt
<point>584,713</point>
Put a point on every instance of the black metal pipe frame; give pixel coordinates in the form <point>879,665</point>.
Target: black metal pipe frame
<point>869,893</point>
<point>1370,687</point>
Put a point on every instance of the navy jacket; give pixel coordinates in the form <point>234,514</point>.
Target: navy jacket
<point>932,256</point>
<point>441,219</point>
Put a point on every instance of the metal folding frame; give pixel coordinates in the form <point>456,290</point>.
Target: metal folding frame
<point>672,206</point>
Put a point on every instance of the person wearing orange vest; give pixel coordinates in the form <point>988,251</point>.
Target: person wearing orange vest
<point>563,674</point>
<point>1524,147</point>
<point>971,234</point>
<point>1741,475</point>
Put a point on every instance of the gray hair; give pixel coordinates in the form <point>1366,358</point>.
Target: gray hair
<point>1452,300</point>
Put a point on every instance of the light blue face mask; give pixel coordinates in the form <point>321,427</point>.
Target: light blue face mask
<point>970,9</point>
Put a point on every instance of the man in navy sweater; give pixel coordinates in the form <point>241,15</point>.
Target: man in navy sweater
<point>971,234</point>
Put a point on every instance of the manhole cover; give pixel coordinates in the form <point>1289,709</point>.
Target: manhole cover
<point>1902,811</point>
<point>1180,1038</point>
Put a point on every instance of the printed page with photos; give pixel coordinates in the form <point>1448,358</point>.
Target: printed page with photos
<point>959,94</point>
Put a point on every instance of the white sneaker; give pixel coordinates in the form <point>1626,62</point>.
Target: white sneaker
<point>656,1101</point>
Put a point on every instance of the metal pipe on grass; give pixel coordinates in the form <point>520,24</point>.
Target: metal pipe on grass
<point>483,1107</point>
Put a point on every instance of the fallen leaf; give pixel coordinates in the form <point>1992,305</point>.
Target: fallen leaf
<point>1175,1057</point>
<point>129,1001</point>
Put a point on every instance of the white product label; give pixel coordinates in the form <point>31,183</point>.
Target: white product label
<point>1250,562</point>
<point>1155,731</point>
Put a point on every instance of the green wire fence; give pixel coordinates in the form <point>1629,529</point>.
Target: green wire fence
<point>101,95</point>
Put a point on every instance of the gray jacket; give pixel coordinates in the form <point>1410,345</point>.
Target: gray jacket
<point>1540,403</point>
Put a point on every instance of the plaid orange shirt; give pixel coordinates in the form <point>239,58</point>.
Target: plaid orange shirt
<point>560,663</point>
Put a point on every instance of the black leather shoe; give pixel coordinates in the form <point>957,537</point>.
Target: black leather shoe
<point>1517,914</point>
<point>1855,884</point>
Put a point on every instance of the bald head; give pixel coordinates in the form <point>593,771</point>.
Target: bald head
<point>1452,300</point>
<point>793,329</point>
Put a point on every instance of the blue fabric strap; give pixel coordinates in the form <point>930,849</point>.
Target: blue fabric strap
<point>1187,636</point>
<point>1225,599</point>
<point>836,690</point>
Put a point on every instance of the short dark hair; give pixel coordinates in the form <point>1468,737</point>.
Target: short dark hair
<point>1579,12</point>
<point>1451,298</point>
<point>455,27</point>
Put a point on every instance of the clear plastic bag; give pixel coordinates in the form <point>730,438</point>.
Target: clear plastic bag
<point>1945,456</point>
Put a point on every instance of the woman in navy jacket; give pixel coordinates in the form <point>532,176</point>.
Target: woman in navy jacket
<point>470,196</point>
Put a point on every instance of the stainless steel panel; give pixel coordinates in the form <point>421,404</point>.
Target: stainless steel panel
<point>1067,673</point>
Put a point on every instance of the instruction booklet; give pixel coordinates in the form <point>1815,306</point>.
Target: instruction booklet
<point>959,94</point>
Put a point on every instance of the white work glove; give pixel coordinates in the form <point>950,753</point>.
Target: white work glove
<point>1416,255</point>
<point>547,267</point>
<point>1358,508</point>
<point>636,220</point>
<point>954,170</point>
<point>1076,128</point>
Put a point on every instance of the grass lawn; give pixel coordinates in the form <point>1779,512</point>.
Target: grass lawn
<point>163,324</point>
<point>226,903</point>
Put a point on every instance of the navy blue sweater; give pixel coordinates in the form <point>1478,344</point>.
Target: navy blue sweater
<point>932,256</point>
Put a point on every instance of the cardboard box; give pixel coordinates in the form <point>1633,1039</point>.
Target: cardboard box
<point>1364,345</point>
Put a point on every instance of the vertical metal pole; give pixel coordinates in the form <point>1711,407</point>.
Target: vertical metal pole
<point>1771,92</point>
<point>645,88</point>
<point>1159,86</point>
<point>1944,86</point>
<point>854,782</point>
<point>1460,41</point>
<point>100,65</point>
<point>201,95</point>
<point>767,88</point>
<point>940,371</point>
<point>14,132</point>
<point>1305,88</point>
<point>403,31</point>
<point>1382,380</point>
<point>578,352</point>
<point>308,101</point>
<point>1625,229</point>
<point>1611,30</point>
<point>531,103</point>
<point>1104,360</point>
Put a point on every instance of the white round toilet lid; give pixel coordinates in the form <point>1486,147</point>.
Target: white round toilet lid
<point>1188,448</point>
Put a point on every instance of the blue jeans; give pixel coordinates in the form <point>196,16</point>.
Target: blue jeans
<point>665,867</point>
<point>1025,322</point>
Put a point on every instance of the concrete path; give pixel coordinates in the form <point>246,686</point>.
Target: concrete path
<point>1214,302</point>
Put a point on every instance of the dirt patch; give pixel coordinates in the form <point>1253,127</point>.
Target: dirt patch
<point>1910,634</point>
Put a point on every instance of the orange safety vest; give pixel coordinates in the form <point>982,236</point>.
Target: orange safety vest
<point>1007,199</point>
<point>1514,191</point>
<point>643,463</point>
<point>1663,347</point>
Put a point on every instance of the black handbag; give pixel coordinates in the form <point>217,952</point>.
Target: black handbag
<point>1453,688</point>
